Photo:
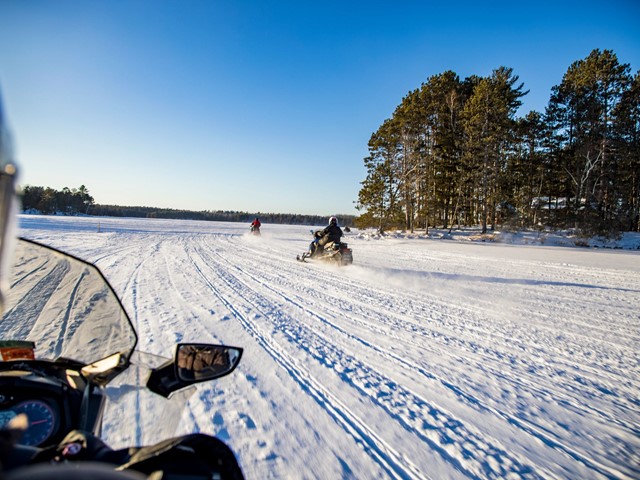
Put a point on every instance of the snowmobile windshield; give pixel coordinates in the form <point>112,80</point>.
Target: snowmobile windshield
<point>64,306</point>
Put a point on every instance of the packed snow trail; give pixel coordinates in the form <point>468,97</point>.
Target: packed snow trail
<point>424,359</point>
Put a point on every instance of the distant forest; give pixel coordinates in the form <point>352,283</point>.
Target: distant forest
<point>78,201</point>
<point>454,153</point>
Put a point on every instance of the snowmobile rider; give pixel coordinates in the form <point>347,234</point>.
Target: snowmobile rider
<point>255,227</point>
<point>330,233</point>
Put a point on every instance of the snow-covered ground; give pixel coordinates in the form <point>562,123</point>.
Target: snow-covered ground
<point>427,358</point>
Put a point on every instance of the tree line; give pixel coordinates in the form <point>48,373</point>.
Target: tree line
<point>454,153</point>
<point>46,200</point>
<point>215,215</point>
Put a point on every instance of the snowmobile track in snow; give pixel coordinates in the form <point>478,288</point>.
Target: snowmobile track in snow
<point>391,461</point>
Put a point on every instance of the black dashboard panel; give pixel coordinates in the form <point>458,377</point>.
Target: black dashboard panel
<point>41,400</point>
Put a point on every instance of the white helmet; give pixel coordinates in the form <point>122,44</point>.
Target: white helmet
<point>333,221</point>
<point>8,201</point>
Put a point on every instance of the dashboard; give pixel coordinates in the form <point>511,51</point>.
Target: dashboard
<point>43,418</point>
<point>41,400</point>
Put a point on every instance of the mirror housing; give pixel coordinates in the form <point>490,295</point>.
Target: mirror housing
<point>193,363</point>
<point>199,362</point>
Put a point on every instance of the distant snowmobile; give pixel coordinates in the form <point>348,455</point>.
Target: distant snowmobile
<point>337,253</point>
<point>255,227</point>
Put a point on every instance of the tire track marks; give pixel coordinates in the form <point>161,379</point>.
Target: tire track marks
<point>394,464</point>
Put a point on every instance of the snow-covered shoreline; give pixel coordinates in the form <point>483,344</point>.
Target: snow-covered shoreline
<point>549,238</point>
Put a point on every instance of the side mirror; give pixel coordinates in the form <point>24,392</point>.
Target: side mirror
<point>193,363</point>
<point>202,362</point>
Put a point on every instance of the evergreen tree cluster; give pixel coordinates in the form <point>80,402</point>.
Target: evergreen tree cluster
<point>454,153</point>
<point>47,200</point>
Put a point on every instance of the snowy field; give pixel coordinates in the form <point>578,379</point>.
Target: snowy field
<point>424,359</point>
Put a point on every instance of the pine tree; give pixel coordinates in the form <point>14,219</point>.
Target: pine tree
<point>581,111</point>
<point>488,124</point>
<point>628,147</point>
<point>379,194</point>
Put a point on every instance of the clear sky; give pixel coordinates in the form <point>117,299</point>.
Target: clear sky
<point>259,105</point>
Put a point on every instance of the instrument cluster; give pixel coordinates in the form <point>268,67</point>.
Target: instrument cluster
<point>43,415</point>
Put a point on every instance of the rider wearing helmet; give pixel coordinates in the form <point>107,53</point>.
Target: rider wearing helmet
<point>330,233</point>
<point>255,226</point>
<point>8,202</point>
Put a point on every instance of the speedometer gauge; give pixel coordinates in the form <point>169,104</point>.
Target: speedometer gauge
<point>41,421</point>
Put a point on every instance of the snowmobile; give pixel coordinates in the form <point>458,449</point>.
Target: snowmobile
<point>65,340</point>
<point>336,253</point>
<point>255,230</point>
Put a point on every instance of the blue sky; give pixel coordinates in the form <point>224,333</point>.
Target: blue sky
<point>258,105</point>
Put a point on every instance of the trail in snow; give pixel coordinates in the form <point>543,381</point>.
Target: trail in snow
<point>425,359</point>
